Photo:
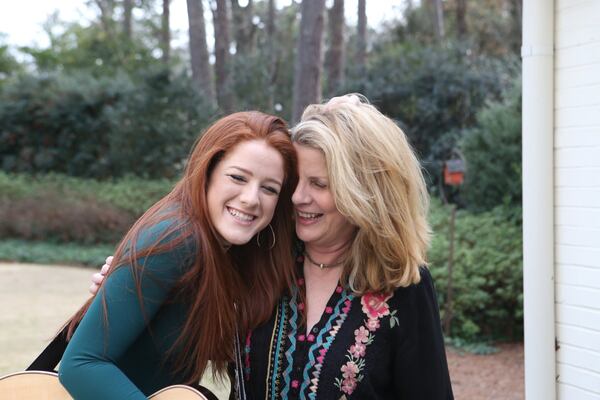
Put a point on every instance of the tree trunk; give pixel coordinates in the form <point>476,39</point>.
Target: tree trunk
<point>461,18</point>
<point>107,8</point>
<point>361,51</point>
<point>223,78</point>
<point>516,11</point>
<point>271,54</point>
<point>244,30</point>
<point>271,18</point>
<point>127,10</point>
<point>308,63</point>
<point>201,71</point>
<point>438,19</point>
<point>450,288</point>
<point>336,54</point>
<point>165,33</point>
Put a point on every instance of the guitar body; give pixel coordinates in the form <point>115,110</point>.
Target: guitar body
<point>178,392</point>
<point>42,385</point>
<point>32,385</point>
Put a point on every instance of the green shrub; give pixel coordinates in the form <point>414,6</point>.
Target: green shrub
<point>132,194</point>
<point>60,208</point>
<point>81,125</point>
<point>49,216</point>
<point>129,193</point>
<point>52,253</point>
<point>493,153</point>
<point>487,273</point>
<point>432,91</point>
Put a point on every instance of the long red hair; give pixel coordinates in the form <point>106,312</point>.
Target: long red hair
<point>251,276</point>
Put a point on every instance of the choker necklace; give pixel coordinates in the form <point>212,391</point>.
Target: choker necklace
<point>321,265</point>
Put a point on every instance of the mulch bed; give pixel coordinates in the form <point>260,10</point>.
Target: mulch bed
<point>498,376</point>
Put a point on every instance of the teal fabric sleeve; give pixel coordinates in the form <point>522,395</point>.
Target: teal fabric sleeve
<point>89,369</point>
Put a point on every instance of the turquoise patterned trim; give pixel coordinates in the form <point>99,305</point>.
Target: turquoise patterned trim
<point>292,337</point>
<point>319,342</point>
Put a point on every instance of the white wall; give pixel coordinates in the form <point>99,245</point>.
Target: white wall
<point>577,197</point>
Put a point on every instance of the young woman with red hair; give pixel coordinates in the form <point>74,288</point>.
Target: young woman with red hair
<point>209,259</point>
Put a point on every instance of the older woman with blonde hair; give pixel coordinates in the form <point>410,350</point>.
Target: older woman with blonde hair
<point>363,320</point>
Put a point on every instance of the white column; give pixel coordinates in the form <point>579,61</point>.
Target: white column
<point>538,198</point>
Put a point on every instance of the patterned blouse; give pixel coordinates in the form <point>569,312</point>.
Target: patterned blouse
<point>374,346</point>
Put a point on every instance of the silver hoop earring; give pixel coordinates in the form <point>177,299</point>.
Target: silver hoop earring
<point>272,234</point>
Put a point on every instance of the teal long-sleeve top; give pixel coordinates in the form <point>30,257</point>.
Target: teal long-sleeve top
<point>124,357</point>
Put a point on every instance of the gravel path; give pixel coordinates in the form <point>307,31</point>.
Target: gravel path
<point>36,299</point>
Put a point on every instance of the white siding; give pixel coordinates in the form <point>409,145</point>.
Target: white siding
<point>577,198</point>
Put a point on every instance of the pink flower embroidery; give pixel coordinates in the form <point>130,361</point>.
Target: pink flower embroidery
<point>373,324</point>
<point>358,350</point>
<point>348,385</point>
<point>350,369</point>
<point>361,335</point>
<point>375,305</point>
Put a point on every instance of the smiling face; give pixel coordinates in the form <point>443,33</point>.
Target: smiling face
<point>243,190</point>
<point>318,221</point>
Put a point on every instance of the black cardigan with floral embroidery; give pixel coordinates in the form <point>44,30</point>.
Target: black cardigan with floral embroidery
<point>363,347</point>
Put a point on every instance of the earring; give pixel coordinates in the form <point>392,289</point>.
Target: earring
<point>272,234</point>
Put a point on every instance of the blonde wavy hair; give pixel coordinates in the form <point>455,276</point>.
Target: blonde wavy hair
<point>377,184</point>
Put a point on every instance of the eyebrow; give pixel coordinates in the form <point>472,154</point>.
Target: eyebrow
<point>250,173</point>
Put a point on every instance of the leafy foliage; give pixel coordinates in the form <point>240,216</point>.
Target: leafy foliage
<point>52,253</point>
<point>99,47</point>
<point>263,80</point>
<point>473,347</point>
<point>9,66</point>
<point>432,92</point>
<point>493,153</point>
<point>66,209</point>
<point>492,26</point>
<point>99,127</point>
<point>487,274</point>
<point>48,216</point>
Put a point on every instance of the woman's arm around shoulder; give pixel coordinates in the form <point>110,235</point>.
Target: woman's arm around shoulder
<point>420,366</point>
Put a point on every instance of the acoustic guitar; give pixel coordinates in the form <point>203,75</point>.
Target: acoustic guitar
<point>42,385</point>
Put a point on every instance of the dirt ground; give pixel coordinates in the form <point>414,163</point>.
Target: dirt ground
<point>36,299</point>
<point>498,376</point>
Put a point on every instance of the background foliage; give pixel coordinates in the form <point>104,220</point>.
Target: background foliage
<point>487,273</point>
<point>99,127</point>
<point>493,152</point>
